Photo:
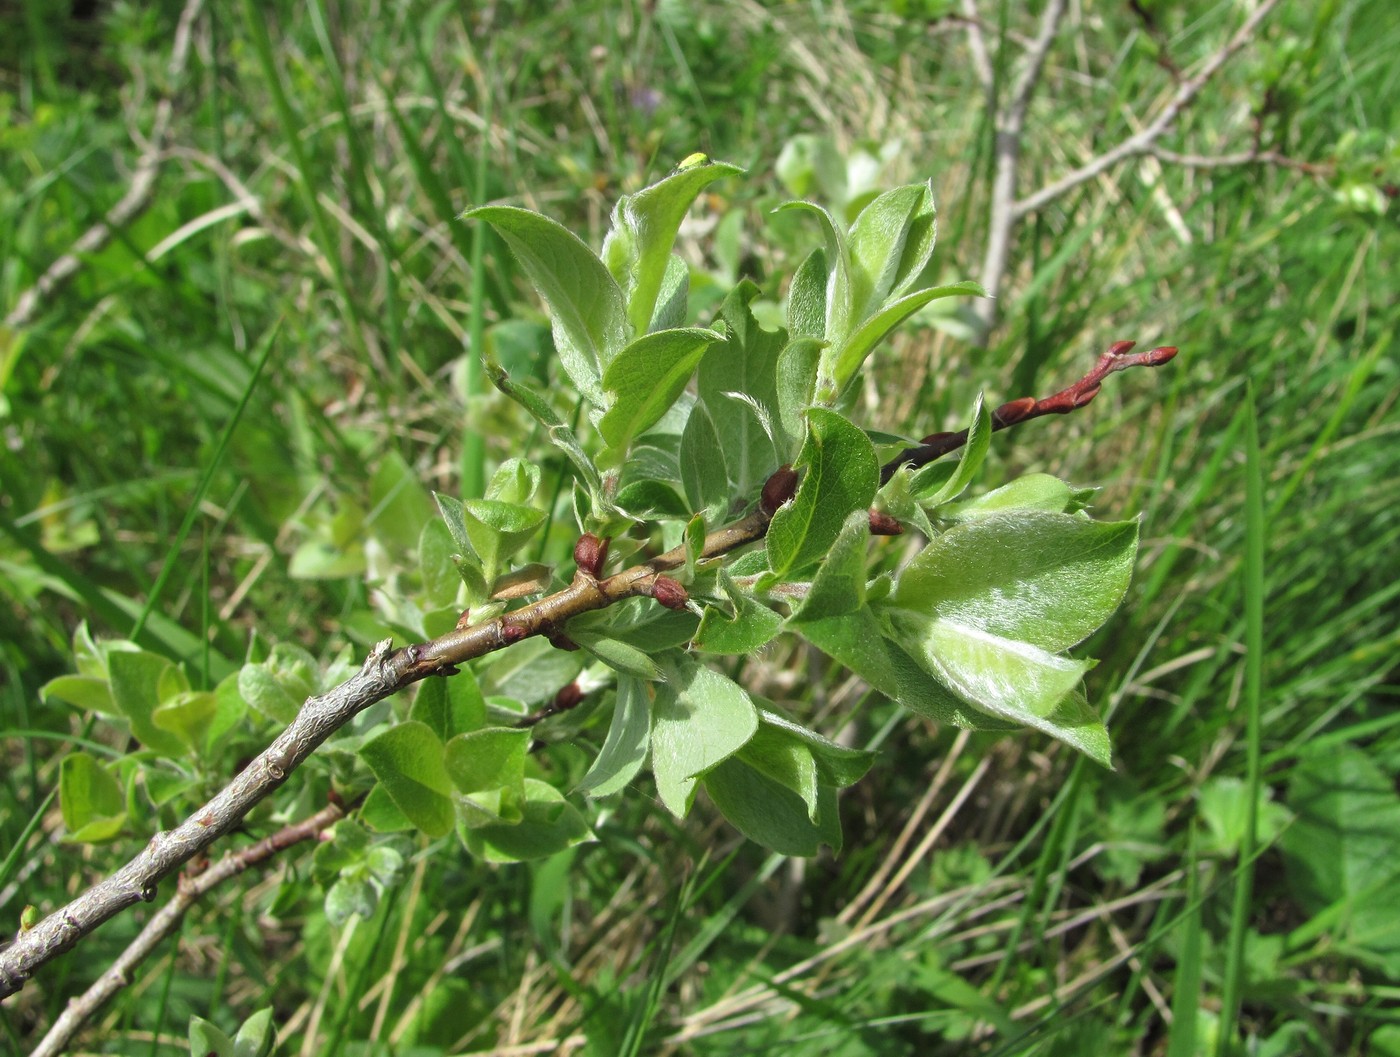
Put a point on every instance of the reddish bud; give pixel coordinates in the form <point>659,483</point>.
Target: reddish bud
<point>1013,411</point>
<point>1160,355</point>
<point>937,438</point>
<point>669,593</point>
<point>778,489</point>
<point>568,697</point>
<point>1082,398</point>
<point>1118,348</point>
<point>334,799</point>
<point>512,633</point>
<point>590,554</point>
<point>465,620</point>
<point>881,524</point>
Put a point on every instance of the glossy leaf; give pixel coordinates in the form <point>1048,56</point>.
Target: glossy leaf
<point>837,766</point>
<point>1049,580</point>
<point>932,491</point>
<point>841,475</point>
<point>585,303</point>
<point>408,760</point>
<point>625,748</point>
<point>1034,491</point>
<point>700,718</point>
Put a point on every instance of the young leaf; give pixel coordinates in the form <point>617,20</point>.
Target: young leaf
<point>409,762</point>
<point>1046,579</point>
<point>625,748</point>
<point>498,530</point>
<point>745,362</point>
<point>701,717</point>
<point>673,299</point>
<point>515,481</point>
<point>846,360</point>
<point>797,385</point>
<point>806,304</point>
<point>617,655</point>
<point>837,282</point>
<point>891,241</point>
<point>1034,491</point>
<point>704,468</point>
<point>644,229</point>
<point>645,379</point>
<point>559,434</point>
<point>841,476</point>
<point>435,564</point>
<point>930,490</point>
<point>589,319</point>
<point>90,799</point>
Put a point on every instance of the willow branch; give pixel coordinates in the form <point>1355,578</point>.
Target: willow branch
<point>1119,357</point>
<point>387,671</point>
<point>192,886</point>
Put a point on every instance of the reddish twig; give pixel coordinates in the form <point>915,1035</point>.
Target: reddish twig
<point>1117,358</point>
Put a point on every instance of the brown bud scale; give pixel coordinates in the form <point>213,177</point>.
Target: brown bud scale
<point>881,524</point>
<point>669,593</point>
<point>590,554</point>
<point>778,489</point>
<point>568,697</point>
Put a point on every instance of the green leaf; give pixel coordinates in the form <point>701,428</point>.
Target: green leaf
<point>768,812</point>
<point>745,362</point>
<point>704,469</point>
<point>835,281</point>
<point>700,718</point>
<point>1034,491</point>
<point>839,586</point>
<point>979,439</point>
<point>548,825</point>
<point>451,705</point>
<point>207,1040</point>
<point>485,761</point>
<point>806,306</point>
<point>278,686</point>
<point>891,241</point>
<point>381,814</point>
<point>752,625</point>
<point>515,481</point>
<point>409,761</point>
<point>841,476</point>
<point>625,748</point>
<point>773,751</point>
<point>673,300</point>
<point>465,560</point>
<point>88,692</point>
<point>797,383</point>
<point>645,379</point>
<point>399,503</point>
<point>90,799</point>
<point>439,571</point>
<point>498,530</point>
<point>187,714</point>
<point>837,766</point>
<point>586,305</point>
<point>559,434</point>
<point>256,1037</point>
<point>1049,580</point>
<point>842,364</point>
<point>1006,678</point>
<point>644,230</point>
<point>617,655</point>
<point>135,681</point>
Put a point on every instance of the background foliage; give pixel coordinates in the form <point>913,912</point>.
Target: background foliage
<point>994,892</point>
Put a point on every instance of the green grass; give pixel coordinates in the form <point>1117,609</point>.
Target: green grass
<point>156,478</point>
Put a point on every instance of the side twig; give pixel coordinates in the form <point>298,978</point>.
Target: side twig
<point>192,886</point>
<point>387,671</point>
